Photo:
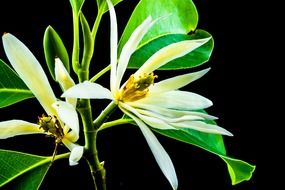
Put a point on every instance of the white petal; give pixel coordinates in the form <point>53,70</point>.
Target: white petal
<point>130,47</point>
<point>64,79</point>
<point>179,100</point>
<point>30,71</point>
<point>161,156</point>
<point>76,152</point>
<point>151,120</point>
<point>113,46</point>
<point>177,82</point>
<point>172,113</point>
<point>88,90</point>
<point>68,115</point>
<point>203,127</point>
<point>168,54</point>
<point>13,128</point>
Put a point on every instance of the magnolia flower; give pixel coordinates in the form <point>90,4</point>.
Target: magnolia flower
<point>61,120</point>
<point>158,105</point>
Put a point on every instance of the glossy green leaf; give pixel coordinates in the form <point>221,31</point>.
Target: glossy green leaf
<point>193,59</point>
<point>88,41</point>
<point>53,48</point>
<point>22,171</point>
<point>175,17</point>
<point>12,88</point>
<point>239,170</point>
<point>76,5</point>
<point>102,5</point>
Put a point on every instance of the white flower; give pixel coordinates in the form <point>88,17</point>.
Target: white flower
<point>159,105</point>
<point>61,120</point>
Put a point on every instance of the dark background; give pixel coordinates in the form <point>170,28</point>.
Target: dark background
<point>231,84</point>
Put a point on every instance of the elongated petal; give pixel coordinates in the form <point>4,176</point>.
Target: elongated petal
<point>64,79</point>
<point>76,152</point>
<point>130,47</point>
<point>68,115</point>
<point>13,128</point>
<point>88,90</point>
<point>172,113</point>
<point>150,120</point>
<point>113,46</point>
<point>160,155</point>
<point>179,100</point>
<point>168,54</point>
<point>203,127</point>
<point>30,71</point>
<point>177,82</point>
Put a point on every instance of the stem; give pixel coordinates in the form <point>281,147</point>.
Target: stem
<point>114,123</point>
<point>104,115</point>
<point>76,48</point>
<point>97,23</point>
<point>102,72</point>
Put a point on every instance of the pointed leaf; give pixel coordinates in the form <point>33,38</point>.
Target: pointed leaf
<point>54,48</point>
<point>193,59</point>
<point>102,5</point>
<point>12,88</point>
<point>88,41</point>
<point>176,17</point>
<point>239,170</point>
<point>22,170</point>
<point>76,5</point>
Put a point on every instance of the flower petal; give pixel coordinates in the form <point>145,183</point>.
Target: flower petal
<point>113,46</point>
<point>88,90</point>
<point>30,71</point>
<point>160,155</point>
<point>64,79</point>
<point>179,100</point>
<point>130,47</point>
<point>68,115</point>
<point>13,128</point>
<point>76,152</point>
<point>172,113</point>
<point>203,127</point>
<point>168,54</point>
<point>150,120</point>
<point>177,82</point>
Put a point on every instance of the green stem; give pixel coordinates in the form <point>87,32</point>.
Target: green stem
<point>114,123</point>
<point>104,115</point>
<point>97,23</point>
<point>76,48</point>
<point>102,72</point>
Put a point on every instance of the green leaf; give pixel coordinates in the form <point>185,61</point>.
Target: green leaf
<point>53,48</point>
<point>102,4</point>
<point>76,5</point>
<point>175,17</point>
<point>88,42</point>
<point>239,170</point>
<point>22,171</point>
<point>12,88</point>
<point>193,59</point>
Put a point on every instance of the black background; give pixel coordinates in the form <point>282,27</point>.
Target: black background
<point>230,84</point>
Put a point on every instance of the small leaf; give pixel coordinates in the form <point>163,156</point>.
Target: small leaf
<point>88,41</point>
<point>76,5</point>
<point>12,88</point>
<point>239,170</point>
<point>193,59</point>
<point>175,17</point>
<point>102,5</point>
<point>53,48</point>
<point>23,171</point>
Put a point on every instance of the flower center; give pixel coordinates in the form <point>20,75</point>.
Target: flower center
<point>136,89</point>
<point>51,125</point>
